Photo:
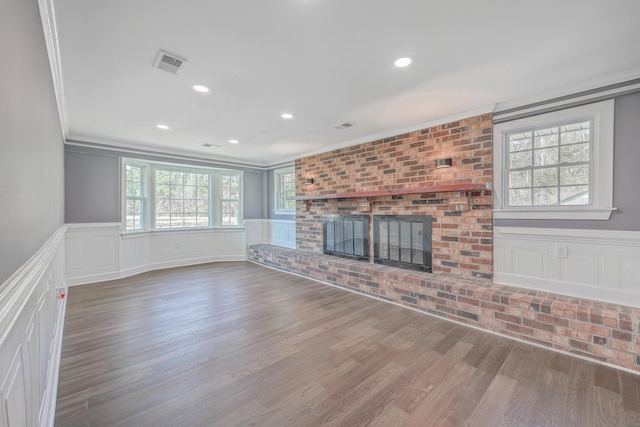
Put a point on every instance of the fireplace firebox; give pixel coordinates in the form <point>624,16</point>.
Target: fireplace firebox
<point>403,241</point>
<point>399,240</point>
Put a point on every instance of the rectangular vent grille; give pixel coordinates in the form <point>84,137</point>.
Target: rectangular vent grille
<point>169,63</point>
<point>344,125</point>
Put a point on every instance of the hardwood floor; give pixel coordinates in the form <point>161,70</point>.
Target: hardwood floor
<point>239,344</point>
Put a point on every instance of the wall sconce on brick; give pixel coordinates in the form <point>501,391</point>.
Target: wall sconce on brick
<point>308,181</point>
<point>444,163</point>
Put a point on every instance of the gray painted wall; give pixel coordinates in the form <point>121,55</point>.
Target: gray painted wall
<point>253,196</point>
<point>31,141</point>
<point>92,188</point>
<point>92,183</point>
<point>271,198</point>
<point>626,176</point>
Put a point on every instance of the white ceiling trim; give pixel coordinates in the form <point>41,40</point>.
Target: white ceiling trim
<point>585,87</point>
<point>152,150</point>
<point>48,18</point>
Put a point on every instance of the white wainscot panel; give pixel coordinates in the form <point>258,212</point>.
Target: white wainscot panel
<point>99,252</point>
<point>595,264</point>
<point>257,231</point>
<point>584,267</point>
<point>31,324</point>
<point>528,261</point>
<point>282,233</point>
<point>93,252</point>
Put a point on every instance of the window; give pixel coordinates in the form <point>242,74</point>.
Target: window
<point>163,196</point>
<point>556,165</point>
<point>285,189</point>
<point>135,196</point>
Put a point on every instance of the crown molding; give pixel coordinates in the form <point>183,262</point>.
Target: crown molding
<point>611,84</point>
<point>50,30</point>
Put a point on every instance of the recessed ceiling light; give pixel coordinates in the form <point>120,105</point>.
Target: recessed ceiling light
<point>286,116</point>
<point>233,141</point>
<point>402,62</point>
<point>163,127</point>
<point>200,88</point>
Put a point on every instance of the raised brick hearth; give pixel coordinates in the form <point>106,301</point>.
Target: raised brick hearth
<point>599,331</point>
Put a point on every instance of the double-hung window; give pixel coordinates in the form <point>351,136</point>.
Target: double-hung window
<point>165,196</point>
<point>284,190</point>
<point>556,165</point>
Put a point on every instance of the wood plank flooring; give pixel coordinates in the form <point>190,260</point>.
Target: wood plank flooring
<point>238,344</point>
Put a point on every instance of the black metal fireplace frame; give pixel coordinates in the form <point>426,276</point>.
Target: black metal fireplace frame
<point>426,231</point>
<point>335,218</point>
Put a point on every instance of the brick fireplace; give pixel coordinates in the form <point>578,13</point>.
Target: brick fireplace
<point>461,288</point>
<point>461,220</point>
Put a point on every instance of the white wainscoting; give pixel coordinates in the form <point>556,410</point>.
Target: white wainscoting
<point>31,324</point>
<point>98,252</point>
<point>271,231</point>
<point>595,264</point>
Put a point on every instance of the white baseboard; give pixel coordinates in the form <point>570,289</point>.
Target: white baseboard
<point>593,264</point>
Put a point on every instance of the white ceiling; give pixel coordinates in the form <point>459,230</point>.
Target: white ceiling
<point>327,62</point>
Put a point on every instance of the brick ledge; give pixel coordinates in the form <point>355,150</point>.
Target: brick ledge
<point>604,332</point>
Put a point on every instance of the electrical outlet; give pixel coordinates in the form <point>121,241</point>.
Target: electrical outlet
<point>177,244</point>
<point>562,251</point>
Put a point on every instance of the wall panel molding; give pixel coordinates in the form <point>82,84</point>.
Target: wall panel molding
<point>99,252</point>
<point>31,324</point>
<point>594,264</point>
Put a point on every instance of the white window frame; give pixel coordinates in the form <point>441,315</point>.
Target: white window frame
<point>215,196</point>
<point>277,173</point>
<point>601,195</point>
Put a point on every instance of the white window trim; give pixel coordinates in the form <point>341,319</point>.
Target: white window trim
<point>215,209</point>
<point>602,114</point>
<point>276,191</point>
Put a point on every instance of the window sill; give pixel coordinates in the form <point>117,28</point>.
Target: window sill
<point>574,214</point>
<point>136,234</point>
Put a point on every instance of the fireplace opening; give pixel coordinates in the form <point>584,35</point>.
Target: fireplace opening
<point>346,236</point>
<point>399,240</point>
<point>403,241</point>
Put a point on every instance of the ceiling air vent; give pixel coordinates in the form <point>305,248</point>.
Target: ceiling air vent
<point>209,145</point>
<point>168,62</point>
<point>344,125</point>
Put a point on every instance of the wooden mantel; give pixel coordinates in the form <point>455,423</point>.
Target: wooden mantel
<point>394,192</point>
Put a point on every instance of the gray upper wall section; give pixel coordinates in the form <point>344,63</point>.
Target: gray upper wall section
<point>92,183</point>
<point>626,176</point>
<point>92,188</point>
<point>31,141</point>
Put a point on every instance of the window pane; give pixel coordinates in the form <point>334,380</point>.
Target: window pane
<point>520,179</point>
<point>177,178</point>
<point>545,137</point>
<point>203,180</point>
<point>576,174</point>
<point>163,177</point>
<point>163,206</point>
<point>545,177</point>
<point>574,195</point>
<point>545,196</point>
<point>177,221</point>
<point>163,190</point>
<point>519,142</point>
<point>575,153</point>
<point>575,132</point>
<point>547,156</point>
<point>520,197</point>
<point>521,159</point>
